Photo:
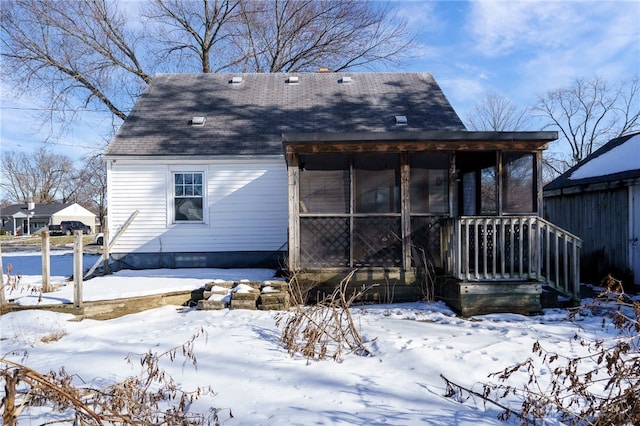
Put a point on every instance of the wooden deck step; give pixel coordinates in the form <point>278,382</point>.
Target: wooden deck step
<point>486,297</point>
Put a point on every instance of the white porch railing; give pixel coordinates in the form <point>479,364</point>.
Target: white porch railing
<point>500,248</point>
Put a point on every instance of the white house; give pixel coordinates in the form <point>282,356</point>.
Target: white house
<point>23,219</point>
<point>323,173</point>
<point>201,157</point>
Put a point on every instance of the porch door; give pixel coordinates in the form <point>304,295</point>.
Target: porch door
<point>634,231</point>
<point>477,191</point>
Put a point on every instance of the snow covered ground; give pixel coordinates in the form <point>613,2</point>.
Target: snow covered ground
<point>253,375</point>
<point>125,283</point>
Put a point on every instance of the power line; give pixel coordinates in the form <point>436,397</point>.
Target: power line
<point>22,143</point>
<point>52,109</point>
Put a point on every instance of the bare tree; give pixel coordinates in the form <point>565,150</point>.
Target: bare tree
<point>305,35</point>
<point>277,36</point>
<point>93,54</point>
<point>192,36</point>
<point>81,53</point>
<point>497,113</point>
<point>88,186</point>
<point>89,53</point>
<point>590,112</point>
<point>628,106</point>
<point>37,178</point>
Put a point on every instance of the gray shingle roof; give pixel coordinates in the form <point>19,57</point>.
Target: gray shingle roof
<point>249,118</point>
<point>39,209</point>
<point>565,181</point>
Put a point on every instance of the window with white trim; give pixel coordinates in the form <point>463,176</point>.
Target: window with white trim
<point>188,197</point>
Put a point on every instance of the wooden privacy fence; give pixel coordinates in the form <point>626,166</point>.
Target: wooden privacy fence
<point>495,248</point>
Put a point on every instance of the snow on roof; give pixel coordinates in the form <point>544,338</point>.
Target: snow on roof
<point>622,158</point>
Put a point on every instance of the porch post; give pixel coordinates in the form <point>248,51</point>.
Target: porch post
<point>77,269</point>
<point>2,296</point>
<point>294,212</point>
<point>538,182</point>
<point>453,185</point>
<point>405,208</point>
<point>46,261</point>
<point>499,182</point>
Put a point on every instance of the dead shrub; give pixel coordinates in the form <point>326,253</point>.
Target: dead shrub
<point>324,330</point>
<point>150,398</point>
<point>427,274</point>
<point>600,388</point>
<point>53,336</point>
<point>299,290</point>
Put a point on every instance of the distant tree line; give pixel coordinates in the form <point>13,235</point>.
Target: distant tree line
<point>587,113</point>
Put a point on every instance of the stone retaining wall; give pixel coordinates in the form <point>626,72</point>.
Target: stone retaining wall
<point>266,295</point>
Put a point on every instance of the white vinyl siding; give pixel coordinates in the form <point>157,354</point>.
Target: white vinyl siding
<point>246,207</point>
<point>142,188</point>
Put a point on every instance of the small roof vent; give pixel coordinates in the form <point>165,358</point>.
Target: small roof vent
<point>294,79</point>
<point>198,121</point>
<point>346,79</point>
<point>401,120</point>
<point>236,79</point>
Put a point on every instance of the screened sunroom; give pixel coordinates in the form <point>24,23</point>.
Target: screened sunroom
<point>467,204</point>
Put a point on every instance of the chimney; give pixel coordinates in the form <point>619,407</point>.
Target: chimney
<point>323,70</point>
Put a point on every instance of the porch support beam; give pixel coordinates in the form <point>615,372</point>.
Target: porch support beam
<point>415,141</point>
<point>499,182</point>
<point>405,209</point>
<point>453,186</point>
<point>293,177</point>
<point>537,181</point>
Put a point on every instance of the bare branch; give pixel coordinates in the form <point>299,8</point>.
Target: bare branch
<point>72,51</point>
<point>90,53</point>
<point>189,30</point>
<point>588,113</point>
<point>37,178</point>
<point>497,113</point>
<point>296,35</point>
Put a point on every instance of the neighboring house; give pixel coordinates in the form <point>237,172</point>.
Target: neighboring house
<point>599,200</point>
<point>25,219</point>
<point>330,172</point>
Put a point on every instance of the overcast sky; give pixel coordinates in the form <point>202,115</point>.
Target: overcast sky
<point>514,48</point>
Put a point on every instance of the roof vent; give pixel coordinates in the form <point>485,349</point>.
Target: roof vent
<point>236,80</point>
<point>346,79</point>
<point>198,121</point>
<point>293,79</point>
<point>401,120</point>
